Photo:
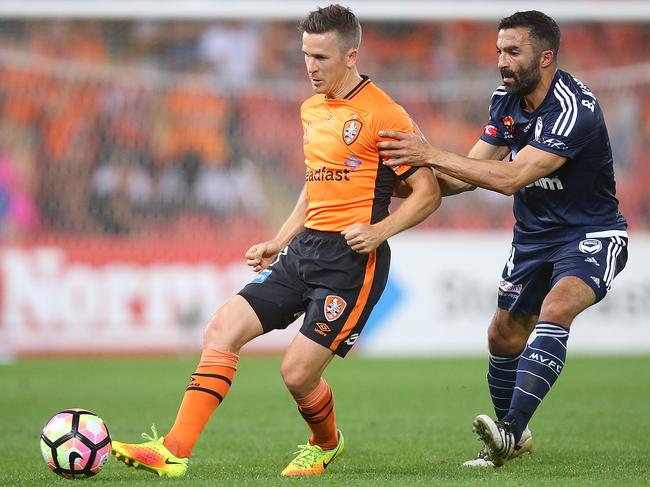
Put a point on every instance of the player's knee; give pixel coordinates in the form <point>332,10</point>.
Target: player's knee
<point>224,331</point>
<point>558,311</point>
<point>299,380</point>
<point>215,327</point>
<point>293,377</point>
<point>502,342</point>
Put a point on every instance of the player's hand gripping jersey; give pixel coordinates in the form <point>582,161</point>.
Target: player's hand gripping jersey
<point>580,197</point>
<point>346,182</point>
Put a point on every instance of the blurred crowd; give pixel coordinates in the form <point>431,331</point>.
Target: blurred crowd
<point>127,128</point>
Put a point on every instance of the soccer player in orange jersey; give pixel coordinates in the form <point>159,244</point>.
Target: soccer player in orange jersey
<point>329,260</point>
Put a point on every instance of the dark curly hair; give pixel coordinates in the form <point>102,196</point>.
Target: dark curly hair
<point>543,29</point>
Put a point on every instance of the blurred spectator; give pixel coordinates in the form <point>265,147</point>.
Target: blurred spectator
<point>232,49</point>
<point>133,127</point>
<point>19,216</point>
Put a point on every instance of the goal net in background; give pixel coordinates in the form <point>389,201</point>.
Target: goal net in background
<point>153,142</point>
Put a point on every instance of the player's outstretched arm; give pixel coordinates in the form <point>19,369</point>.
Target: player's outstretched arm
<point>529,165</point>
<point>481,150</point>
<point>413,149</point>
<point>423,200</point>
<point>260,255</point>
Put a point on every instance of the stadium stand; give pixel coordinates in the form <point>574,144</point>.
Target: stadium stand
<point>132,128</point>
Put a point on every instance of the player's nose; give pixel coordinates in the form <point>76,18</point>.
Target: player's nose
<point>502,62</point>
<point>312,67</point>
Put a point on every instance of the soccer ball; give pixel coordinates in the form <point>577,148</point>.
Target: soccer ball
<point>75,443</point>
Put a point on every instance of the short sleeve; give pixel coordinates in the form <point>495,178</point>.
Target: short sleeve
<point>491,133</point>
<point>395,118</point>
<point>565,132</point>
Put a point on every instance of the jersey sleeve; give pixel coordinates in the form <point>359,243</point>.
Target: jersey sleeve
<point>394,117</point>
<point>491,133</point>
<point>566,131</point>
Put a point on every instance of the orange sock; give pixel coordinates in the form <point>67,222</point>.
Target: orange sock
<point>317,409</point>
<point>207,388</point>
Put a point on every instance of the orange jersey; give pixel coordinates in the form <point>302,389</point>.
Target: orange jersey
<point>346,182</point>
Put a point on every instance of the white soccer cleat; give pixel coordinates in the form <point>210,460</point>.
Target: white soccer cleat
<point>497,438</point>
<point>524,445</point>
<point>482,459</point>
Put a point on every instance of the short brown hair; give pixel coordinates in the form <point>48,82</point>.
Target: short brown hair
<point>334,18</point>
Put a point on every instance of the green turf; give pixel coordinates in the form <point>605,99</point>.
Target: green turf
<point>406,422</point>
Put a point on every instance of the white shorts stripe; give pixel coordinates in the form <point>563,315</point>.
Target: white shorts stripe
<point>607,233</point>
<point>617,250</point>
<point>608,266</point>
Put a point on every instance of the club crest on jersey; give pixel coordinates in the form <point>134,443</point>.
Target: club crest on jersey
<point>334,306</point>
<point>351,130</point>
<point>509,124</point>
<point>590,246</point>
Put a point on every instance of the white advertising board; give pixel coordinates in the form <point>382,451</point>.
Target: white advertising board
<point>439,300</point>
<point>443,289</point>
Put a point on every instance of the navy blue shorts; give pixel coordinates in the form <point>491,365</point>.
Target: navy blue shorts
<point>320,275</point>
<point>533,269</point>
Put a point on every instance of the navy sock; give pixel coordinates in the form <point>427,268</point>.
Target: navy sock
<point>501,377</point>
<point>539,367</point>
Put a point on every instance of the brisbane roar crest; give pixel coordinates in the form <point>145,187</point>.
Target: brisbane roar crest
<point>351,130</point>
<point>334,307</point>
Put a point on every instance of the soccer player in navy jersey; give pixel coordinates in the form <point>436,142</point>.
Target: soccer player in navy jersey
<point>569,239</point>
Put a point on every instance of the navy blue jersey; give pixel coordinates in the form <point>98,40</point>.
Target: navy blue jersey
<point>580,196</point>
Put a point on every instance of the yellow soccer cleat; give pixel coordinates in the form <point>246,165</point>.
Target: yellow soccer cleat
<point>151,456</point>
<point>312,459</point>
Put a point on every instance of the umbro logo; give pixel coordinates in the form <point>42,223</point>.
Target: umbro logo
<point>322,329</point>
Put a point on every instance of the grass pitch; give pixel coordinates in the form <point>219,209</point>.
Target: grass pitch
<point>406,422</point>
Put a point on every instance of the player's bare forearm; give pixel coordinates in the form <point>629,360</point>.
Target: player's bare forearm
<point>424,199</point>
<point>450,186</point>
<point>529,165</point>
<point>489,174</point>
<point>481,150</point>
<point>484,168</point>
<point>260,256</point>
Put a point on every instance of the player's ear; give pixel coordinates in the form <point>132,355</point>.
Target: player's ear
<point>351,57</point>
<point>547,58</point>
